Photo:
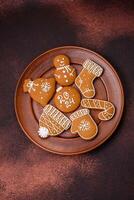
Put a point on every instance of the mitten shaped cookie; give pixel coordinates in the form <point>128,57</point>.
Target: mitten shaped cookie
<point>108,109</point>
<point>41,90</point>
<point>64,73</point>
<point>52,122</point>
<point>84,81</point>
<point>83,124</point>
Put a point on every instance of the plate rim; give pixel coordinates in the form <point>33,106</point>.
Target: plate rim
<point>103,140</point>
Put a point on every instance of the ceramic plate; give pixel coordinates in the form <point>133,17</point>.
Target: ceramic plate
<point>108,87</point>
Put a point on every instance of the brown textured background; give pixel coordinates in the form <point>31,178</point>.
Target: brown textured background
<point>27,29</point>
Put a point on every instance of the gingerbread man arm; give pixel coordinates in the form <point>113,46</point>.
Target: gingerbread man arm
<point>107,107</point>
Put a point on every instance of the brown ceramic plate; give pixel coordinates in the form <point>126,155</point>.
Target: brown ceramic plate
<point>108,87</point>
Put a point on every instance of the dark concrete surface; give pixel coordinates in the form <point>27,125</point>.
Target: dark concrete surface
<point>27,29</point>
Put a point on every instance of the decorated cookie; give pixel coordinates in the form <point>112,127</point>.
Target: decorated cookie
<point>52,122</point>
<point>61,60</point>
<point>83,124</point>
<point>107,107</point>
<point>67,99</point>
<point>84,80</point>
<point>64,73</point>
<point>41,90</point>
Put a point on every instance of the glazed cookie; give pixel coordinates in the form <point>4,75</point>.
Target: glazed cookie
<point>107,107</point>
<point>52,122</point>
<point>41,90</point>
<point>83,124</point>
<point>67,99</point>
<point>84,80</point>
<point>64,73</point>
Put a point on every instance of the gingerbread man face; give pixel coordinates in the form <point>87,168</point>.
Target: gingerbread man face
<point>61,60</point>
<point>67,99</point>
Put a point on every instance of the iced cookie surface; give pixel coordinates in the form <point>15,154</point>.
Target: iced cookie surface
<point>64,73</point>
<point>52,122</point>
<point>67,99</point>
<point>40,90</point>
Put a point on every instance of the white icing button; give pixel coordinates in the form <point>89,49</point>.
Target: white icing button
<point>66,81</point>
<point>65,76</point>
<point>64,71</point>
<point>43,132</point>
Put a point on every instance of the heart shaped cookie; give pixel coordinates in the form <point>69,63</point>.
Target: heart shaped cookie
<point>41,90</point>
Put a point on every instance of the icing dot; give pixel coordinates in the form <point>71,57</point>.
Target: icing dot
<point>66,81</point>
<point>64,71</point>
<point>65,76</point>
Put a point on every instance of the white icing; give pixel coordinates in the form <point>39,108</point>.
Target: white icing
<point>65,76</point>
<point>31,85</point>
<point>43,132</point>
<point>84,125</point>
<point>72,73</point>
<point>66,81</point>
<point>64,67</point>
<point>58,89</point>
<point>45,87</point>
<point>65,99</point>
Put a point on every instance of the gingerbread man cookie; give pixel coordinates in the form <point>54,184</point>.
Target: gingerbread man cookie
<point>107,107</point>
<point>52,122</point>
<point>83,124</point>
<point>64,73</point>
<point>67,99</point>
<point>84,80</point>
<point>41,90</point>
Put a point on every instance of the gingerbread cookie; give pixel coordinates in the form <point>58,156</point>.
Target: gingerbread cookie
<point>67,99</point>
<point>107,107</point>
<point>83,124</point>
<point>64,73</point>
<point>41,90</point>
<point>52,122</point>
<point>84,80</point>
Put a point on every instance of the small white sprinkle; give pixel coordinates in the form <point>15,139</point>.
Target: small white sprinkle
<point>65,76</point>
<point>66,81</point>
<point>64,71</point>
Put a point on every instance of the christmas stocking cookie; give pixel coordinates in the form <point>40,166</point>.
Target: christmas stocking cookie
<point>83,124</point>
<point>84,80</point>
<point>52,122</point>
<point>41,90</point>
<point>108,109</point>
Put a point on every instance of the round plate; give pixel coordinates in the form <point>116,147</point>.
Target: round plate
<point>108,87</point>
